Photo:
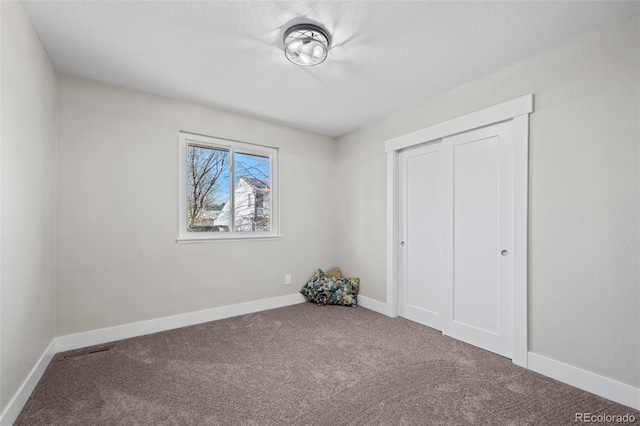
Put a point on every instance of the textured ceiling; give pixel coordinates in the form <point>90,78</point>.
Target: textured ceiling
<point>385,55</point>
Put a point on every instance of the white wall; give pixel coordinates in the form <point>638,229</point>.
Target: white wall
<point>584,276</point>
<point>118,261</point>
<point>28,186</point>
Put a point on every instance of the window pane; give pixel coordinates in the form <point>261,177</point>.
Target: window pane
<point>207,189</point>
<point>252,192</point>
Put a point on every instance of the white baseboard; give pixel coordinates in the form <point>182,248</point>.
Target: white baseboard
<point>20,398</point>
<point>602,386</point>
<point>373,305</point>
<point>104,335</point>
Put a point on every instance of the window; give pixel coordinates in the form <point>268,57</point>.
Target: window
<point>228,190</point>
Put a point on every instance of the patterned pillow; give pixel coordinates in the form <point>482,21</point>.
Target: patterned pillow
<point>326,288</point>
<point>331,290</point>
<point>346,292</point>
<point>310,289</point>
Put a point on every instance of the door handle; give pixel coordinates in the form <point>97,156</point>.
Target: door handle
<point>505,253</point>
<point>402,243</point>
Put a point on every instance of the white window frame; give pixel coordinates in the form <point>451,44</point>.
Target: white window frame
<point>185,236</point>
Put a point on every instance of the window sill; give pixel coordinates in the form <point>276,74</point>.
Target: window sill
<point>223,239</point>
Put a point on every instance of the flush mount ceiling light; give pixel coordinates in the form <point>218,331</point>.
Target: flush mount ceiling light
<point>306,44</point>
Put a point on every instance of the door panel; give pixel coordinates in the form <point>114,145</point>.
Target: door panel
<point>476,220</point>
<point>420,255</point>
<point>477,284</point>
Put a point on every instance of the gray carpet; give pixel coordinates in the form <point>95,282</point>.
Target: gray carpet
<point>301,365</point>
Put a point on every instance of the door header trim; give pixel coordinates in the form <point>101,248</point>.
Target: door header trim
<point>491,115</point>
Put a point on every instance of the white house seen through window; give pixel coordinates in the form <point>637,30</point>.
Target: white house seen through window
<point>228,189</point>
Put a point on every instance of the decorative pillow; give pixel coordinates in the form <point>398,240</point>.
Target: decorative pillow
<point>331,290</point>
<point>326,287</point>
<point>334,272</point>
<point>346,292</point>
<point>310,289</point>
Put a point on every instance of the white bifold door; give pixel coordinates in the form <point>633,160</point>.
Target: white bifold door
<point>456,236</point>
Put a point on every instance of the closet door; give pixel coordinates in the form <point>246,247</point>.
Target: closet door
<point>456,232</point>
<point>478,238</point>
<point>420,256</point>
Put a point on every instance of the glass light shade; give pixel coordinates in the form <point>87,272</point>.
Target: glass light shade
<point>306,44</point>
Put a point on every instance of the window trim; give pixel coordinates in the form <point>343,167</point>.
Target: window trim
<point>186,139</point>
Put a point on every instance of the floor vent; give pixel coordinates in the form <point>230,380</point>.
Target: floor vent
<point>84,351</point>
